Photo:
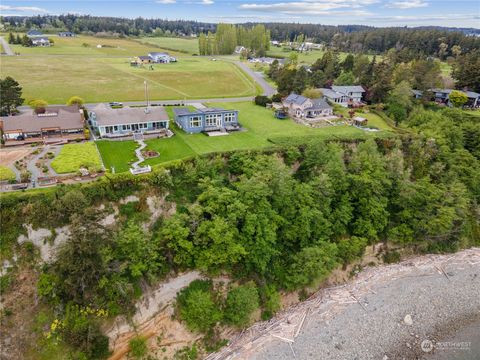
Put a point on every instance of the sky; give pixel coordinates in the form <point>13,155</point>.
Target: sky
<point>380,13</point>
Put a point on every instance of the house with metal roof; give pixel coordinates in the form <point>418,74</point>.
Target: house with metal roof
<point>127,121</point>
<point>40,41</point>
<point>57,123</point>
<point>161,57</point>
<point>66,34</point>
<point>344,95</point>
<point>442,96</point>
<point>302,107</point>
<point>34,32</point>
<point>206,119</point>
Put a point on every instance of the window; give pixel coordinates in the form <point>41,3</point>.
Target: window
<point>229,117</point>
<point>195,121</point>
<point>213,120</point>
<point>115,128</point>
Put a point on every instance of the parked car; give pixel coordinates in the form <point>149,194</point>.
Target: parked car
<point>115,104</point>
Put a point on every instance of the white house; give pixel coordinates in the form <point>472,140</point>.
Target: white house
<point>239,49</point>
<point>40,41</point>
<point>161,57</point>
<point>302,107</point>
<point>344,95</point>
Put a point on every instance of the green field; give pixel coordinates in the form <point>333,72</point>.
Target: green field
<point>100,75</point>
<point>74,156</point>
<point>189,45</point>
<point>6,174</point>
<point>262,130</point>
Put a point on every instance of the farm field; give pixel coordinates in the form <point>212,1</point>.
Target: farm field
<point>189,45</point>
<point>74,156</point>
<point>262,130</point>
<point>99,75</point>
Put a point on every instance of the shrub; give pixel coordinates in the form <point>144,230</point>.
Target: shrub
<point>138,347</point>
<point>197,307</point>
<point>186,353</point>
<point>241,302</point>
<point>270,301</point>
<point>277,98</point>
<point>351,249</point>
<point>391,257</point>
<point>262,100</point>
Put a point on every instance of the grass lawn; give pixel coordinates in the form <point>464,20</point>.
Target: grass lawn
<point>189,45</point>
<point>117,154</point>
<point>104,74</point>
<point>6,174</point>
<point>307,57</point>
<point>374,120</point>
<point>74,156</point>
<point>262,130</point>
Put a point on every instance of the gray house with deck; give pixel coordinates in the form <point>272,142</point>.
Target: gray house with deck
<point>207,119</point>
<point>127,121</point>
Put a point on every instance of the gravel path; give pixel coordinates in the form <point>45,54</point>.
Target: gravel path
<point>384,313</point>
<point>6,47</point>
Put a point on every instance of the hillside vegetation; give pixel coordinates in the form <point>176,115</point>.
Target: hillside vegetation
<point>271,220</point>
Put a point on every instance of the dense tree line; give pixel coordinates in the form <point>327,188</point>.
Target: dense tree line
<point>430,41</point>
<point>256,39</point>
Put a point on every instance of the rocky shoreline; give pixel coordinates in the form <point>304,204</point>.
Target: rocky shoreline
<point>386,312</point>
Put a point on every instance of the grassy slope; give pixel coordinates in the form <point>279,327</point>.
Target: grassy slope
<point>261,127</point>
<point>6,173</point>
<point>74,156</point>
<point>105,74</point>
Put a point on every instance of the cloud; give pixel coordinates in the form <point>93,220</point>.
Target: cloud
<point>206,2</point>
<point>33,9</point>
<point>407,4</point>
<point>313,7</point>
<point>166,2</point>
<point>439,17</point>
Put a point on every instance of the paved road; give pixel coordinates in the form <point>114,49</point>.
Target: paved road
<point>6,47</point>
<point>165,102</point>
<point>268,89</point>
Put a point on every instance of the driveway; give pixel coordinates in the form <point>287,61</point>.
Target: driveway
<point>268,89</point>
<point>6,47</point>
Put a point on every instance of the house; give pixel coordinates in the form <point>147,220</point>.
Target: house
<point>239,49</point>
<point>57,123</point>
<point>275,43</point>
<point>126,121</point>
<point>143,60</point>
<point>161,57</point>
<point>33,33</point>
<point>66,34</point>
<point>206,119</point>
<point>344,95</point>
<point>302,107</point>
<point>40,41</point>
<point>442,96</point>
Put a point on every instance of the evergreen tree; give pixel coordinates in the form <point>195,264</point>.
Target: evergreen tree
<point>10,96</point>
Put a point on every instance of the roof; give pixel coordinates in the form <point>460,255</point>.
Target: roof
<point>347,89</point>
<point>319,104</point>
<point>144,57</point>
<point>239,48</point>
<point>417,92</point>
<point>359,119</point>
<point>181,111</point>
<point>296,99</point>
<point>470,94</point>
<point>40,38</point>
<point>34,33</point>
<point>62,116</point>
<point>158,54</point>
<point>329,93</point>
<point>65,33</point>
<point>128,115</point>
